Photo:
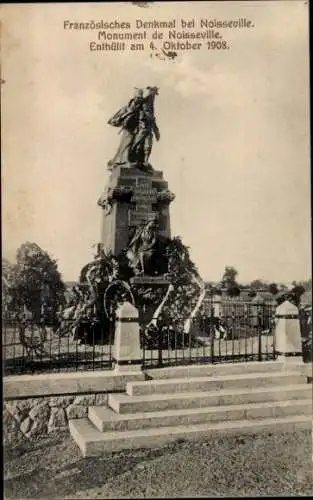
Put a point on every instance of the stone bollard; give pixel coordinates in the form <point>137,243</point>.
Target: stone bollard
<point>288,345</point>
<point>126,351</point>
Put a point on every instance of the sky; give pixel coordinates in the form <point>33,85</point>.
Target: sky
<point>234,127</point>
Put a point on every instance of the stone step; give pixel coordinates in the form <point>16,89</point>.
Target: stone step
<point>214,383</point>
<point>207,369</point>
<point>123,403</point>
<point>106,419</point>
<point>92,442</point>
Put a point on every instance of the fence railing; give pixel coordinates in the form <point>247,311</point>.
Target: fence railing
<point>33,347</point>
<point>225,332</point>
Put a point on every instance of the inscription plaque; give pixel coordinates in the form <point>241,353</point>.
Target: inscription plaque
<point>144,195</point>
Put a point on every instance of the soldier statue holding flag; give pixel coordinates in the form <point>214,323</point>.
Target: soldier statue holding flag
<point>138,126</point>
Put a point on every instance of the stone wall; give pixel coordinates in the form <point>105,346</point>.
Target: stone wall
<point>34,417</point>
<point>36,405</point>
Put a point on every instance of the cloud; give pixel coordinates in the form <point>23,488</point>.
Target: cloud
<point>184,77</point>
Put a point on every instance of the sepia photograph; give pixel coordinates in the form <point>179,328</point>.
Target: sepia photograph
<point>156,249</point>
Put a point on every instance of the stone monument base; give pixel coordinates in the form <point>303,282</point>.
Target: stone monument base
<point>149,280</point>
<point>133,197</point>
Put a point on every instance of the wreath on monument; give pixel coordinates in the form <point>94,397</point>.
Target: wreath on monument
<point>165,196</point>
<point>111,195</point>
<point>181,274</point>
<point>181,300</point>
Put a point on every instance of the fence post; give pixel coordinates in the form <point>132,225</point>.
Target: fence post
<point>288,334</point>
<point>260,314</point>
<point>126,351</point>
<point>217,301</point>
<point>213,311</point>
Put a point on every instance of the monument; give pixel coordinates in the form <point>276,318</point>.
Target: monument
<point>136,200</point>
<point>137,261</point>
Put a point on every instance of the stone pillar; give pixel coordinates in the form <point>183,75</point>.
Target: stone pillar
<point>126,352</point>
<point>288,345</point>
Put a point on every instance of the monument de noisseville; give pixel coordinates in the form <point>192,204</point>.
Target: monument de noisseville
<point>137,259</point>
<point>136,200</point>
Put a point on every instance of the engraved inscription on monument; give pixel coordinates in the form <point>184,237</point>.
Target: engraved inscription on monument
<point>144,196</point>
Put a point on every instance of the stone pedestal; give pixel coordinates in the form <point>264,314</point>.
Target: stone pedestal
<point>150,281</point>
<point>126,351</point>
<point>135,198</point>
<point>288,343</point>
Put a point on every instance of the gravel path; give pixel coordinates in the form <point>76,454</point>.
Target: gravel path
<point>233,466</point>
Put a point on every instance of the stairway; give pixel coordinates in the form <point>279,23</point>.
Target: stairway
<point>264,398</point>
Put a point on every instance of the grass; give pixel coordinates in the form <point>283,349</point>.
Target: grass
<point>259,465</point>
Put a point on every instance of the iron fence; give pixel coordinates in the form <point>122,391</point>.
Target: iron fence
<point>226,332</point>
<point>30,346</point>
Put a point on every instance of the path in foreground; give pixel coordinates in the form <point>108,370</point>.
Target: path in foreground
<point>233,466</point>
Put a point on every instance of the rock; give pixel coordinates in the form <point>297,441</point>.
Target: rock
<point>140,466</point>
<point>26,425</point>
<point>75,411</point>
<point>40,411</point>
<point>25,405</point>
<point>11,406</point>
<point>86,399</point>
<point>39,428</point>
<point>11,432</point>
<point>61,401</point>
<point>10,424</point>
<point>101,399</point>
<point>57,419</point>
<point>22,414</point>
<point>13,409</point>
<point>12,438</point>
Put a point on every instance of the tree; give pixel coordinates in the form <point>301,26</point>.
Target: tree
<point>307,285</point>
<point>273,288</point>
<point>233,290</point>
<point>229,281</point>
<point>296,293</point>
<point>37,281</point>
<point>229,276</point>
<point>257,284</point>
<point>7,281</point>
